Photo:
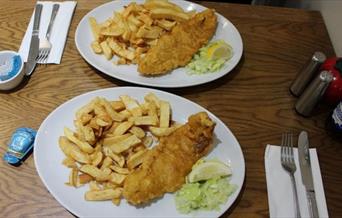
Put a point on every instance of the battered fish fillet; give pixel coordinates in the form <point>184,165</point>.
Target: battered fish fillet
<point>177,48</point>
<point>166,165</point>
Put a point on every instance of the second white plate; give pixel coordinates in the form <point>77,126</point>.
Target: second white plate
<point>48,158</point>
<point>178,77</point>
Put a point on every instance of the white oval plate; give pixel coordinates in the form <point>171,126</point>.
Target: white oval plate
<point>48,158</point>
<point>178,77</point>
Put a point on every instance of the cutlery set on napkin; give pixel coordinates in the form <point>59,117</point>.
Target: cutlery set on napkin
<point>46,34</point>
<point>307,177</point>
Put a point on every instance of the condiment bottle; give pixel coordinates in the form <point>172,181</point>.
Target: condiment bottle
<point>336,117</point>
<point>313,93</point>
<point>307,73</point>
<point>333,123</point>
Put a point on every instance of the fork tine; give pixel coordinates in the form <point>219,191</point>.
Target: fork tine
<point>40,56</point>
<point>282,151</point>
<point>285,149</point>
<point>43,57</point>
<point>289,141</point>
<point>291,149</point>
<point>47,56</point>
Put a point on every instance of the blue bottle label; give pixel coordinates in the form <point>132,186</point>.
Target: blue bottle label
<point>337,117</point>
<point>20,145</point>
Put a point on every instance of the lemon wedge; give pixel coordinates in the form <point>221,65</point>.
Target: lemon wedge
<point>208,170</point>
<point>219,50</point>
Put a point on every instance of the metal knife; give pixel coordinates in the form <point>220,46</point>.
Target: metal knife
<point>305,168</point>
<point>34,45</point>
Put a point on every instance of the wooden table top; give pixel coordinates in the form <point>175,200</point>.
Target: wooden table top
<point>253,100</point>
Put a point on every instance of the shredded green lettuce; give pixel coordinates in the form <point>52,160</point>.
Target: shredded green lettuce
<point>201,64</point>
<point>208,195</point>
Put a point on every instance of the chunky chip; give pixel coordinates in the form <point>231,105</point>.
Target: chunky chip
<point>110,141</point>
<point>84,146</point>
<point>130,33</point>
<point>102,195</point>
<point>72,151</point>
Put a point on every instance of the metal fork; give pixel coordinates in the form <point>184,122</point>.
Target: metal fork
<point>287,161</point>
<point>45,44</point>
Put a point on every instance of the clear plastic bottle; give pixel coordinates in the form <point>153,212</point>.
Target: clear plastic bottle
<point>337,117</point>
<point>334,122</point>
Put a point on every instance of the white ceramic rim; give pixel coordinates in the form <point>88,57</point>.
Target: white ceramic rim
<point>155,84</point>
<point>71,209</point>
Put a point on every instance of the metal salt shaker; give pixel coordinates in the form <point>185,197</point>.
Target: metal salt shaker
<point>313,93</point>
<point>307,73</point>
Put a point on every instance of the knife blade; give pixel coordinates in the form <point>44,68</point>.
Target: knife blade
<point>305,168</point>
<point>34,44</point>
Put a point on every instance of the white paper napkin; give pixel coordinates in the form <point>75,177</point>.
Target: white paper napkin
<point>59,31</point>
<point>279,188</point>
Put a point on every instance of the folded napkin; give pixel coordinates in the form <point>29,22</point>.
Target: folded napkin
<point>279,187</point>
<point>59,30</point>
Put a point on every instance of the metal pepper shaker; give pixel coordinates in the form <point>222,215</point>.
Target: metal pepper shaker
<point>313,93</point>
<point>307,73</point>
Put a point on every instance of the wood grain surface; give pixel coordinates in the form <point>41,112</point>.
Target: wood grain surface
<point>253,100</point>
